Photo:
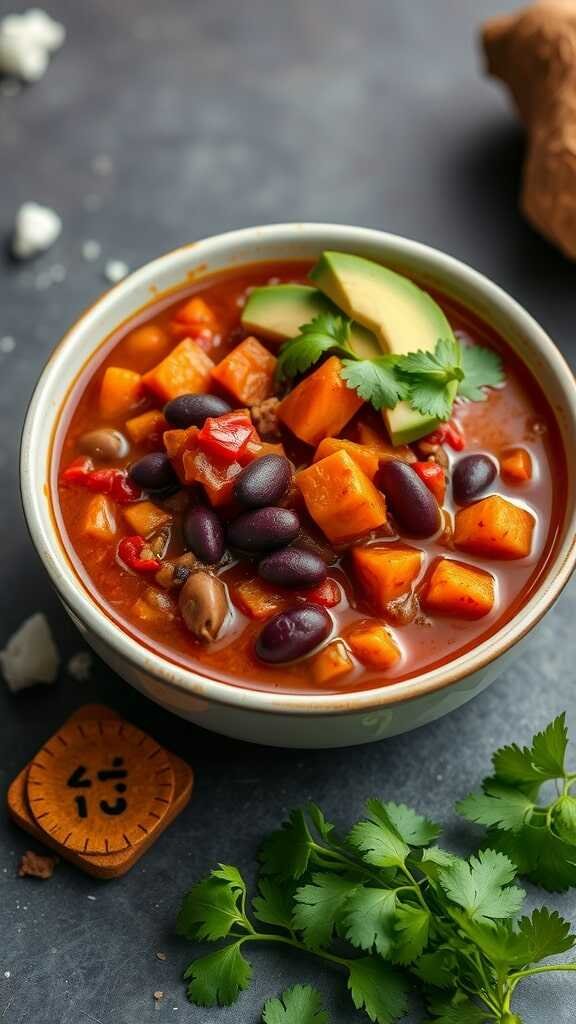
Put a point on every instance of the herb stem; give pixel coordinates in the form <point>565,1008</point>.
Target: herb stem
<point>284,940</point>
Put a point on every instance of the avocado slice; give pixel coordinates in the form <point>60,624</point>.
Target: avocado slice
<point>276,312</point>
<point>402,316</point>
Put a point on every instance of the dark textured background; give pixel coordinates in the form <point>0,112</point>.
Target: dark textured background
<point>218,114</point>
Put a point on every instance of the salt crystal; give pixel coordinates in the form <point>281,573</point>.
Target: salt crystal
<point>35,230</point>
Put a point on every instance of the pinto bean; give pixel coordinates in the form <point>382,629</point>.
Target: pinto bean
<point>203,604</point>
<point>104,443</point>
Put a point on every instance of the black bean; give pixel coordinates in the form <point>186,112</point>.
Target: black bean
<point>413,506</point>
<point>293,567</point>
<point>472,475</point>
<point>264,482</point>
<point>264,529</point>
<point>192,410</point>
<point>204,534</point>
<point>153,472</point>
<point>293,633</point>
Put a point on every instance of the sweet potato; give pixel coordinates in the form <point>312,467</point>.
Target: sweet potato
<point>146,345</point>
<point>366,458</point>
<point>197,313</point>
<point>385,572</point>
<point>247,372</point>
<point>148,427</point>
<point>144,517</point>
<point>120,391</point>
<point>99,521</point>
<point>331,663</point>
<point>340,498</point>
<point>321,405</point>
<point>454,588</point>
<point>373,645</point>
<point>186,370</point>
<point>258,599</point>
<point>494,527</point>
<point>372,439</point>
<point>516,466</point>
<point>154,608</point>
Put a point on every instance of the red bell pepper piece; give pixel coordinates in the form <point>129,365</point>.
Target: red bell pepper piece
<point>327,593</point>
<point>226,437</point>
<point>114,483</point>
<point>448,433</point>
<point>433,476</point>
<point>129,551</point>
<point>78,471</point>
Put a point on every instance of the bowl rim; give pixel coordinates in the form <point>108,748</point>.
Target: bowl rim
<point>75,594</point>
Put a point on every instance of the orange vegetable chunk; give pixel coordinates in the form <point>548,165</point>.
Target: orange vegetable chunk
<point>216,477</point>
<point>186,370</point>
<point>494,527</point>
<point>154,608</point>
<point>144,517</point>
<point>257,599</point>
<point>366,458</point>
<point>149,426</point>
<point>385,572</point>
<point>340,498</point>
<point>331,663</point>
<point>516,466</point>
<point>454,588</point>
<point>146,344</point>
<point>372,439</point>
<point>99,519</point>
<point>373,645</point>
<point>321,405</point>
<point>197,312</point>
<point>247,372</point>
<point>120,391</point>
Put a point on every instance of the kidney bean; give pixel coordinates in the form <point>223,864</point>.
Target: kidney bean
<point>104,443</point>
<point>472,475</point>
<point>293,633</point>
<point>293,567</point>
<point>263,482</point>
<point>413,506</point>
<point>192,410</point>
<point>203,604</point>
<point>153,472</point>
<point>264,529</point>
<point>204,534</point>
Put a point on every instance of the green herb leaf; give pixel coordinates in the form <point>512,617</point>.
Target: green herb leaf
<point>482,368</point>
<point>211,908</point>
<point>326,333</point>
<point>410,826</point>
<point>538,854</point>
<point>549,748</point>
<point>375,381</point>
<point>319,906</point>
<point>543,934</point>
<point>457,1009</point>
<point>286,853</point>
<point>438,968</point>
<point>380,844</point>
<point>217,979</point>
<point>274,904</point>
<point>430,399</point>
<point>377,989</point>
<point>412,929</point>
<point>301,1004</point>
<point>442,366</point>
<point>369,920</point>
<point>564,819</point>
<point>481,886</point>
<point>500,806</point>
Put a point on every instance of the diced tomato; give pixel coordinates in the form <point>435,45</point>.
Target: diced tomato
<point>433,476</point>
<point>226,437</point>
<point>114,483</point>
<point>78,471</point>
<point>129,552</point>
<point>327,593</point>
<point>448,433</point>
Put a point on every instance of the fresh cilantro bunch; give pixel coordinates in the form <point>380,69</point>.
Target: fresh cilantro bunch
<point>538,836</point>
<point>379,904</point>
<point>429,381</point>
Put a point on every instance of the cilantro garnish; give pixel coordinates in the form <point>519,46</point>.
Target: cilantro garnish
<point>429,381</point>
<point>386,902</point>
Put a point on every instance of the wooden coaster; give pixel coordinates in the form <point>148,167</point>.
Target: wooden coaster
<point>100,792</point>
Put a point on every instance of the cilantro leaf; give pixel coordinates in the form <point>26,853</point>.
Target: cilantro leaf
<point>322,826</point>
<point>300,1004</point>
<point>286,853</point>
<point>412,930</point>
<point>217,979</point>
<point>498,806</point>
<point>380,844</point>
<point>513,766</point>
<point>410,826</point>
<point>438,968</point>
<point>274,904</point>
<point>549,748</point>
<point>319,906</point>
<point>482,368</point>
<point>457,1009</point>
<point>564,819</point>
<point>369,920</point>
<point>377,989</point>
<point>433,860</point>
<point>544,934</point>
<point>326,333</point>
<point>211,908</point>
<point>441,366</point>
<point>481,886</point>
<point>431,398</point>
<point>539,854</point>
<point>375,381</point>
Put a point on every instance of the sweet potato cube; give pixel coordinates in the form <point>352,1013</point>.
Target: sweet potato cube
<point>321,405</point>
<point>154,608</point>
<point>247,372</point>
<point>370,438</point>
<point>186,370</point>
<point>373,645</point>
<point>144,517</point>
<point>99,519</point>
<point>516,466</point>
<point>385,572</point>
<point>340,498</point>
<point>454,588</point>
<point>120,391</point>
<point>366,458</point>
<point>146,345</point>
<point>148,427</point>
<point>258,599</point>
<point>331,663</point>
<point>197,313</point>
<point>494,527</point>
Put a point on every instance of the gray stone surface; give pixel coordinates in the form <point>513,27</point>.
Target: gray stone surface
<point>214,115</point>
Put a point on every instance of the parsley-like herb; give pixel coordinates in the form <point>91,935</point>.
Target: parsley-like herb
<point>386,900</point>
<point>326,333</point>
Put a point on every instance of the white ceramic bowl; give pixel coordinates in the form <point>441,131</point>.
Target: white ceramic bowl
<point>273,718</point>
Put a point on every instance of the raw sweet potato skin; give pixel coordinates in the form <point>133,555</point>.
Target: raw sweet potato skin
<point>366,458</point>
<point>373,645</point>
<point>120,391</point>
<point>247,372</point>
<point>454,588</point>
<point>321,405</point>
<point>385,572</point>
<point>331,663</point>
<point>186,370</point>
<point>516,466</point>
<point>143,517</point>
<point>340,498</point>
<point>494,527</point>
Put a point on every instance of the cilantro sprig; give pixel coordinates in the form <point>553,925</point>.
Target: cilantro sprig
<point>429,381</point>
<point>386,901</point>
